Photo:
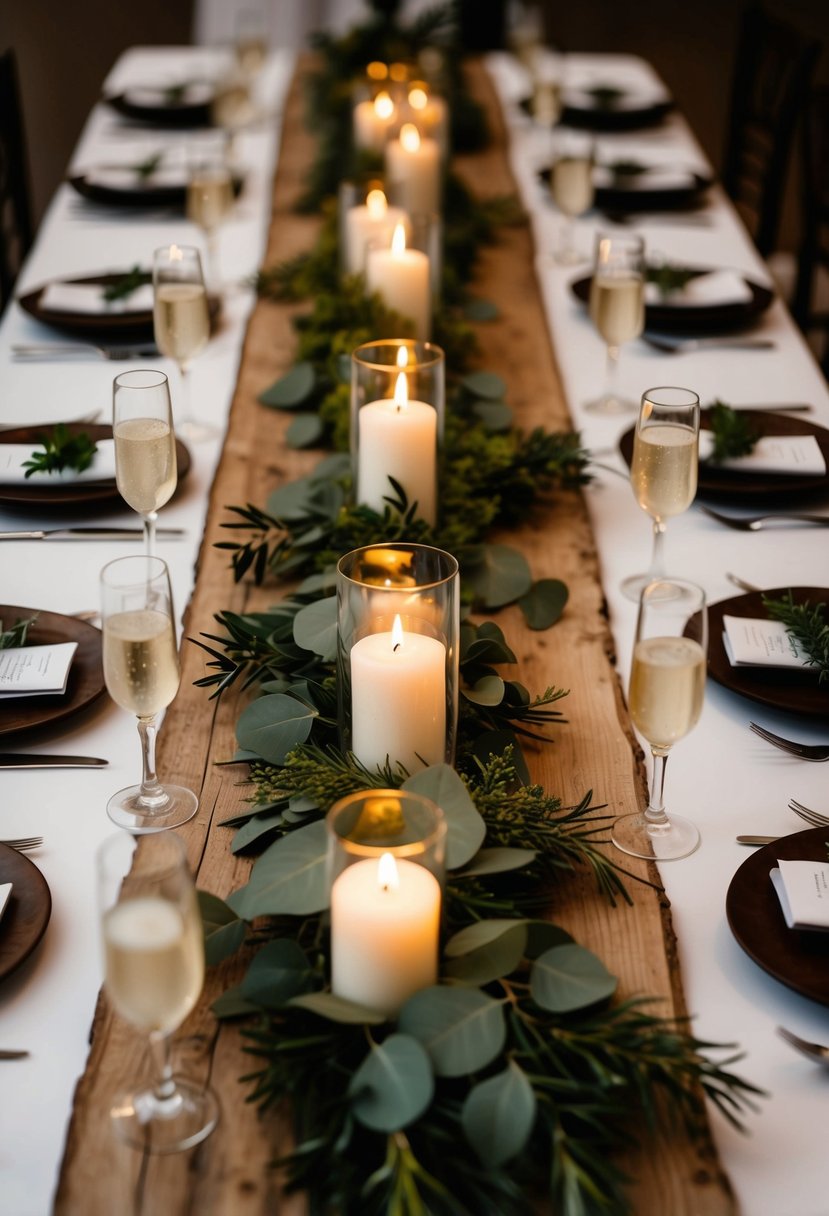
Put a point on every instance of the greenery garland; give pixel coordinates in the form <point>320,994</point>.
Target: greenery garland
<point>515,1074</point>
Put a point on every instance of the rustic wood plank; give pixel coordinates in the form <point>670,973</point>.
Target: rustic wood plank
<point>230,1173</point>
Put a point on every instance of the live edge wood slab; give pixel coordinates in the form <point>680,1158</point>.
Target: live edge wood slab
<point>231,1173</point>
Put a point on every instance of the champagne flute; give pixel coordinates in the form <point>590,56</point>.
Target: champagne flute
<point>141,671</point>
<point>180,317</point>
<point>617,307</point>
<point>663,471</point>
<point>209,201</point>
<point>153,975</point>
<point>571,185</point>
<point>145,446</point>
<point>667,686</point>
<point>251,43</point>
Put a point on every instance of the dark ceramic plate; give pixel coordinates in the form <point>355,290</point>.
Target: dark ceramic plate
<point>141,195</point>
<point>617,199</point>
<point>182,114</point>
<point>27,912</point>
<point>608,118</point>
<point>704,319</point>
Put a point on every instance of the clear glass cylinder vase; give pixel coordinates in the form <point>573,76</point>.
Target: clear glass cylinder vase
<point>398,625</point>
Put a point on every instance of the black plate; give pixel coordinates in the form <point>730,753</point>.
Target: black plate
<point>71,494</point>
<point>715,482</point>
<point>141,195</point>
<point>775,687</point>
<point>616,198</point>
<point>595,118</point>
<point>797,958</point>
<point>705,319</point>
<point>27,912</point>
<point>181,114</point>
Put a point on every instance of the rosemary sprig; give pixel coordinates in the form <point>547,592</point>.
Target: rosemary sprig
<point>807,623</point>
<point>605,96</point>
<point>668,278</point>
<point>61,450</point>
<point>146,168</point>
<point>734,435</point>
<point>16,636</point>
<point>126,284</point>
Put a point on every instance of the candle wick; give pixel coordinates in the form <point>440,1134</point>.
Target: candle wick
<point>396,647</point>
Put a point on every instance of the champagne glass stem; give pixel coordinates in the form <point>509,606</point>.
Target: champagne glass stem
<point>657,566</point>
<point>185,393</point>
<point>612,371</point>
<point>213,259</point>
<point>655,814</point>
<point>152,792</point>
<point>566,242</point>
<point>165,1087</point>
<point>149,520</point>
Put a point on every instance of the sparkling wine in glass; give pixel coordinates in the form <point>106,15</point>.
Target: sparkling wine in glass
<point>617,307</point>
<point>251,43</point>
<point>571,185</point>
<point>181,319</point>
<point>667,687</point>
<point>663,472</point>
<point>141,671</point>
<point>209,202</point>
<point>153,975</point>
<point>145,445</point>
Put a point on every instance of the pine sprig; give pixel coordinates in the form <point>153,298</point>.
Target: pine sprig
<point>10,639</point>
<point>734,435</point>
<point>807,623</point>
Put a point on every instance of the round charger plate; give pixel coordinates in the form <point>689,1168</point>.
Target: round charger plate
<point>606,118</point>
<point>64,494</point>
<point>696,320</point>
<point>618,199</point>
<point>173,114</point>
<point>27,912</point>
<point>86,675</point>
<point>776,687</point>
<point>715,482</point>
<point>142,194</point>
<point>797,958</point>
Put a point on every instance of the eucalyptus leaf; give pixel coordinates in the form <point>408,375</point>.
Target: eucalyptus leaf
<point>315,583</point>
<point>496,574</point>
<point>292,389</point>
<point>462,1029</point>
<point>544,602</point>
<point>224,932</point>
<point>231,1004</point>
<point>483,933</point>
<point>465,828</point>
<point>288,879</point>
<point>485,384</point>
<point>291,501</point>
<point>254,829</point>
<point>337,1009</point>
<point>494,955</point>
<point>481,310</point>
<point>305,431</point>
<point>315,628</point>
<point>393,1086</point>
<point>496,416</point>
<point>273,725</point>
<point>498,1116</point>
<point>278,972</point>
<point>542,935</point>
<point>567,978</point>
<point>497,861</point>
<point>334,467</point>
<point>489,690</point>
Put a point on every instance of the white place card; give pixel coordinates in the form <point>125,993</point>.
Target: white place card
<point>88,298</point>
<point>12,473</point>
<point>803,890</point>
<point>799,455</point>
<point>33,671</point>
<point>5,892</point>
<point>752,642</point>
<point>716,287</point>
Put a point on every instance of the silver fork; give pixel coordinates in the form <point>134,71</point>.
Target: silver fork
<point>24,843</point>
<point>13,426</point>
<point>54,350</point>
<point>815,818</point>
<point>755,523</point>
<point>685,346</point>
<point>805,751</point>
<point>815,1051</point>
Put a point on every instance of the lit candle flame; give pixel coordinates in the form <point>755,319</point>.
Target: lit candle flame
<point>387,876</point>
<point>397,633</point>
<point>401,392</point>
<point>398,240</point>
<point>410,137</point>
<point>383,105</point>
<point>402,356</point>
<point>175,253</point>
<point>418,98</point>
<point>377,70</point>
<point>376,203</point>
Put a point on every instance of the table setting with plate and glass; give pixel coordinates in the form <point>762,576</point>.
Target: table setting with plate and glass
<point>635,311</point>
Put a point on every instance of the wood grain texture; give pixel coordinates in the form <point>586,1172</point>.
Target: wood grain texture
<point>230,1173</point>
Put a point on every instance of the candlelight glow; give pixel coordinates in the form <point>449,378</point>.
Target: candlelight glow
<point>398,72</point>
<point>398,240</point>
<point>383,105</point>
<point>410,137</point>
<point>175,253</point>
<point>377,70</point>
<point>397,633</point>
<point>387,876</point>
<point>377,205</point>
<point>402,356</point>
<point>418,98</point>
<point>401,391</point>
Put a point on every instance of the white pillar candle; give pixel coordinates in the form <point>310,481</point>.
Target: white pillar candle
<point>413,169</point>
<point>385,919</point>
<point>373,222</point>
<point>401,277</point>
<point>398,699</point>
<point>398,438</point>
<point>373,121</point>
<point>431,116</point>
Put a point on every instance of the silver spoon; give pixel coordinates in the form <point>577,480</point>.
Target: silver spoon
<point>815,1051</point>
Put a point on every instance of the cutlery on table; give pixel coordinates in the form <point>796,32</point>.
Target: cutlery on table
<point>6,1054</point>
<point>92,416</point>
<point>756,523</point>
<point>685,219</point>
<point>741,583</point>
<point>53,350</point>
<point>24,843</point>
<point>804,751</point>
<point>756,839</point>
<point>815,1051</point>
<point>815,818</point>
<point>87,534</point>
<point>771,407</point>
<point>45,760</point>
<point>685,346</point>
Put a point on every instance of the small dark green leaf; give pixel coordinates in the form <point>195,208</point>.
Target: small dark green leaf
<point>315,628</point>
<point>498,1116</point>
<point>485,384</point>
<point>232,1004</point>
<point>393,1086</point>
<point>542,935</point>
<point>254,829</point>
<point>288,879</point>
<point>489,690</point>
<point>292,389</point>
<point>278,972</point>
<point>497,574</point>
<point>479,958</point>
<point>544,602</point>
<point>465,826</point>
<point>567,978</point>
<point>337,1009</point>
<point>305,431</point>
<point>496,416</point>
<point>462,1029</point>
<point>273,725</point>
<point>483,933</point>
<point>224,932</point>
<point>481,310</point>
<point>497,861</point>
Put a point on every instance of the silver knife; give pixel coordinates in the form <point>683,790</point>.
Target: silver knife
<point>44,760</point>
<point>6,1054</point>
<point>757,839</point>
<point>87,534</point>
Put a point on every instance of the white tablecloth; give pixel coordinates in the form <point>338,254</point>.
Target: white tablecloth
<point>47,1006</point>
<point>722,776</point>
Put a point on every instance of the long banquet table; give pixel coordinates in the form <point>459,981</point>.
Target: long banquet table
<point>721,776</point>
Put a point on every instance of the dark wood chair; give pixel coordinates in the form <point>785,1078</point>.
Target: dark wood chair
<point>772,77</point>
<point>15,205</point>
<point>809,313</point>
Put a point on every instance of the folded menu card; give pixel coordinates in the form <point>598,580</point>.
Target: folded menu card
<point>704,290</point>
<point>795,454</point>
<point>127,177</point>
<point>35,671</point>
<point>89,298</point>
<point>803,890</point>
<point>5,892</point>
<point>760,643</point>
<point>13,455</point>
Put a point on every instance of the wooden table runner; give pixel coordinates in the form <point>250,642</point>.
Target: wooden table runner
<point>230,1173</point>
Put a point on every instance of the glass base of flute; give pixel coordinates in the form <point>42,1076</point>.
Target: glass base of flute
<point>193,429</point>
<point>611,400</point>
<point>168,1117</point>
